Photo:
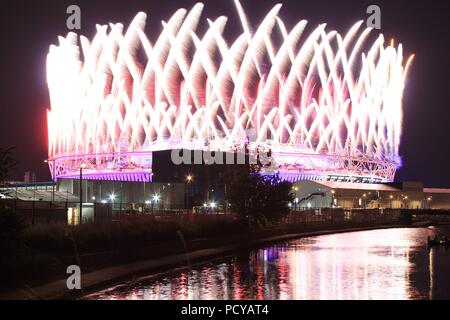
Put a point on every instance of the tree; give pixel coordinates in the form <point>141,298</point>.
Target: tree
<point>7,163</point>
<point>257,198</point>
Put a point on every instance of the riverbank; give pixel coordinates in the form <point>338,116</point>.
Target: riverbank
<point>198,251</point>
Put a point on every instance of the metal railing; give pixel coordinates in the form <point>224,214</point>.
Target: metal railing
<point>66,212</point>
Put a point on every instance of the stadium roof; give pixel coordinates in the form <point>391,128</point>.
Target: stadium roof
<point>357,186</point>
<point>38,195</point>
<point>436,190</point>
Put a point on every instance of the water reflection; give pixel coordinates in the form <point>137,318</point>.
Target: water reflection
<point>382,264</point>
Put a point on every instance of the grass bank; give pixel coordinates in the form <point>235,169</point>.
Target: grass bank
<point>36,254</point>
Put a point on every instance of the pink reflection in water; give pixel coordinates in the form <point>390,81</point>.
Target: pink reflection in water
<point>381,264</point>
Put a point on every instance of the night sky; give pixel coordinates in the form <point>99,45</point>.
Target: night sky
<point>27,28</point>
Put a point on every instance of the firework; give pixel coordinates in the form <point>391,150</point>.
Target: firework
<point>328,106</point>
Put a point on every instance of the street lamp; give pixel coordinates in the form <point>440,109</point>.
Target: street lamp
<point>82,166</point>
<point>155,200</point>
<point>333,198</point>
<point>53,185</point>
<point>189,179</point>
<point>144,209</point>
<point>429,199</point>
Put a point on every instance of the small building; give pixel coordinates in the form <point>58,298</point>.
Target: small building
<point>35,191</point>
<point>404,195</point>
<point>166,195</point>
<point>100,199</point>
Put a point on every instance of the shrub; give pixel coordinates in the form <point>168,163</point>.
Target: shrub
<point>60,239</point>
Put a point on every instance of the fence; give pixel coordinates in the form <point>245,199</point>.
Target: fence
<point>380,216</point>
<point>37,211</point>
<point>338,215</point>
<point>68,212</point>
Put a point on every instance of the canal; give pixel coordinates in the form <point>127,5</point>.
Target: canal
<point>378,264</point>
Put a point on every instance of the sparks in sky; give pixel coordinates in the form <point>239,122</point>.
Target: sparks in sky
<point>325,104</point>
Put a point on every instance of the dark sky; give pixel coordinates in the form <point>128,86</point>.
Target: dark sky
<point>27,28</point>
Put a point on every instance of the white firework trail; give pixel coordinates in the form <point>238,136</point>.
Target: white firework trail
<point>313,95</point>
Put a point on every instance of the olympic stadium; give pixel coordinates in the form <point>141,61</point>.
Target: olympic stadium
<point>327,105</point>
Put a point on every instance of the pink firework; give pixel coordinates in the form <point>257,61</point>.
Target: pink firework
<point>327,105</point>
